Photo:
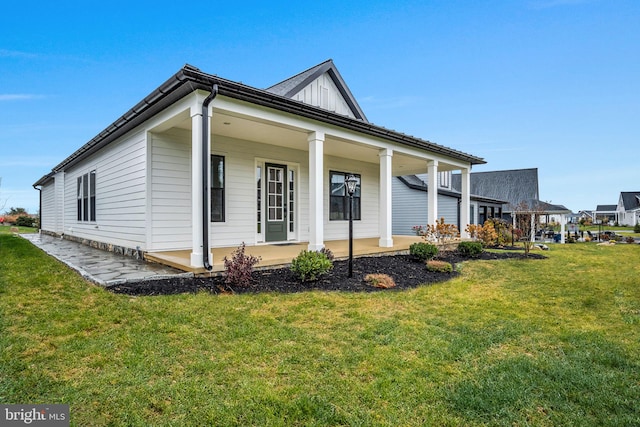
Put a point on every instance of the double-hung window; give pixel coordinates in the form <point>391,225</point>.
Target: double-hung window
<point>339,198</point>
<point>86,197</point>
<point>217,188</point>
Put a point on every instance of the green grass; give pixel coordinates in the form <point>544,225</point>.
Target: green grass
<point>520,342</point>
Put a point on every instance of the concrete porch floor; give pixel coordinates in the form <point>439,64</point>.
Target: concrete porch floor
<point>281,254</point>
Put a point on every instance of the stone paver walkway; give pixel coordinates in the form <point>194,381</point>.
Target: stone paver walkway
<point>101,267</point>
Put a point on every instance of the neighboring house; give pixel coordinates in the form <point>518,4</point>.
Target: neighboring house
<point>494,194</point>
<point>628,208</point>
<point>513,186</point>
<point>606,213</point>
<point>410,203</point>
<point>207,162</point>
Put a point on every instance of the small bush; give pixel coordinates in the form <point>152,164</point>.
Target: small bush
<point>423,251</point>
<point>439,266</point>
<point>239,267</point>
<point>636,228</point>
<point>309,265</point>
<point>383,281</point>
<point>25,221</point>
<point>470,249</point>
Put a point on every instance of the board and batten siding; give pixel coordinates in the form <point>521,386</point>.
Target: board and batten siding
<point>323,93</point>
<point>120,194</point>
<point>170,176</point>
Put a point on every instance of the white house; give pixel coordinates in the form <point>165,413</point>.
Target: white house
<point>206,162</point>
<point>628,208</point>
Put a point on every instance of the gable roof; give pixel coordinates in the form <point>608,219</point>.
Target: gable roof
<point>606,208</point>
<point>293,85</point>
<point>513,186</point>
<point>630,200</point>
<point>189,79</point>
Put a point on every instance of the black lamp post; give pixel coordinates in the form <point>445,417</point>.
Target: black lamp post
<point>351,183</point>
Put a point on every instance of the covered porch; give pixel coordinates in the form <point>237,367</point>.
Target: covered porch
<point>273,255</point>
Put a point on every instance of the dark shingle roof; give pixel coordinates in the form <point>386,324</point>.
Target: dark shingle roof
<point>606,208</point>
<point>630,200</point>
<point>514,186</point>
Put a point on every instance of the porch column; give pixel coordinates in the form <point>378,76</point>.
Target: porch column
<point>465,203</point>
<point>316,184</point>
<point>385,219</point>
<point>196,188</point>
<point>432,194</point>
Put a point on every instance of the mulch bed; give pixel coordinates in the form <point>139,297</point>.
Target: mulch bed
<point>406,272</point>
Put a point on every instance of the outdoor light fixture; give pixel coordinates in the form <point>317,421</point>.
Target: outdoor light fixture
<point>351,183</point>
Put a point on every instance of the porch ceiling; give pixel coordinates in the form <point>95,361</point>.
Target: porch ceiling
<point>252,129</point>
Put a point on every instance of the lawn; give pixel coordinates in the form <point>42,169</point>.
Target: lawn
<point>513,343</point>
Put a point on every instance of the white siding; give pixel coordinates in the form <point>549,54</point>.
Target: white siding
<point>323,93</point>
<point>120,194</point>
<point>171,191</point>
<point>240,192</point>
<point>48,214</point>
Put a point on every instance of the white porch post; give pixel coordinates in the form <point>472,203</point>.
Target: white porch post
<point>196,188</point>
<point>432,194</point>
<point>385,218</point>
<point>465,203</point>
<point>563,220</point>
<point>316,207</point>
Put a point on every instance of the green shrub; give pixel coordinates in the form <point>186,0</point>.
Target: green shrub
<point>439,266</point>
<point>239,267</point>
<point>25,221</point>
<point>470,249</point>
<point>636,228</point>
<point>423,251</point>
<point>309,265</point>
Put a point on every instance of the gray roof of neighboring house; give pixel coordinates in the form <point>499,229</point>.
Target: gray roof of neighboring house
<point>414,182</point>
<point>513,186</point>
<point>630,200</point>
<point>606,208</point>
<point>291,86</point>
<point>189,79</point>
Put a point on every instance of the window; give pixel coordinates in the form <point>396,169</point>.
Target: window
<point>217,188</point>
<point>445,179</point>
<point>86,197</point>
<point>339,199</point>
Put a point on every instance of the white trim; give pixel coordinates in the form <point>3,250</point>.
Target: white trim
<point>432,194</point>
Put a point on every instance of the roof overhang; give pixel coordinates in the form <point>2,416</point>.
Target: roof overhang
<point>189,79</point>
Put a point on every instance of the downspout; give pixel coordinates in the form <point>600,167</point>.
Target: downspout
<point>205,177</point>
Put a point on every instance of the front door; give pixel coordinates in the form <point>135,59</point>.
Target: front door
<point>276,208</point>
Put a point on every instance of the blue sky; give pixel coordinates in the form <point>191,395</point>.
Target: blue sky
<point>547,84</point>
